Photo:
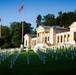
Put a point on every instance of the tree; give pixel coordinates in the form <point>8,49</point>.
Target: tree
<point>5,31</point>
<point>1,41</point>
<point>49,20</point>
<point>38,21</point>
<point>16,32</point>
<point>16,41</point>
<point>66,18</point>
<point>27,28</point>
<point>5,36</point>
<point>60,13</point>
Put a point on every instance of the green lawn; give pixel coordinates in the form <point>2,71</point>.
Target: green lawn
<point>61,66</point>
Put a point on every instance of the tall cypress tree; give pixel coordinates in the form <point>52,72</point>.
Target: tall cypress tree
<point>38,21</point>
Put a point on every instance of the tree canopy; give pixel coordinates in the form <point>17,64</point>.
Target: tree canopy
<point>63,19</point>
<point>38,21</point>
<point>11,36</point>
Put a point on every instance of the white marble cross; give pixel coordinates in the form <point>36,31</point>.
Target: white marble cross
<point>44,59</point>
<point>56,55</point>
<point>66,54</point>
<point>41,57</point>
<point>28,59</point>
<point>3,57</point>
<point>52,53</point>
<point>61,52</point>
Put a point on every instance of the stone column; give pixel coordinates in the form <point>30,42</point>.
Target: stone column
<point>31,43</point>
<point>27,43</point>
<point>41,37</point>
<point>63,39</point>
<point>59,39</point>
<point>49,37</point>
<point>44,38</point>
<point>37,38</point>
<point>66,38</point>
<point>56,39</point>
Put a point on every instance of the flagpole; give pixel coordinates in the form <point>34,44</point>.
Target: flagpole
<point>22,31</point>
<point>22,22</point>
<point>22,9</point>
<point>22,46</point>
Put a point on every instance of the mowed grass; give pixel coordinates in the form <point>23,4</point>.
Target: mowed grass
<point>63,65</point>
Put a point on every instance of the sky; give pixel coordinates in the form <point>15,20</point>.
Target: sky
<point>32,8</point>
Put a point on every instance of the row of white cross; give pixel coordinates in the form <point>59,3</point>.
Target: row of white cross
<point>13,59</point>
<point>28,56</point>
<point>66,52</point>
<point>52,51</point>
<point>55,50</point>
<point>40,54</point>
<point>5,53</point>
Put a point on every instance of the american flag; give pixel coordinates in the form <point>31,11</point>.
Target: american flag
<point>20,9</point>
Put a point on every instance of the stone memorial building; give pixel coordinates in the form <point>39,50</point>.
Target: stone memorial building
<point>47,36</point>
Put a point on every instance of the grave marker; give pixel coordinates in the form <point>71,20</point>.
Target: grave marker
<point>56,55</point>
<point>44,59</point>
<point>66,54</point>
<point>52,53</point>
